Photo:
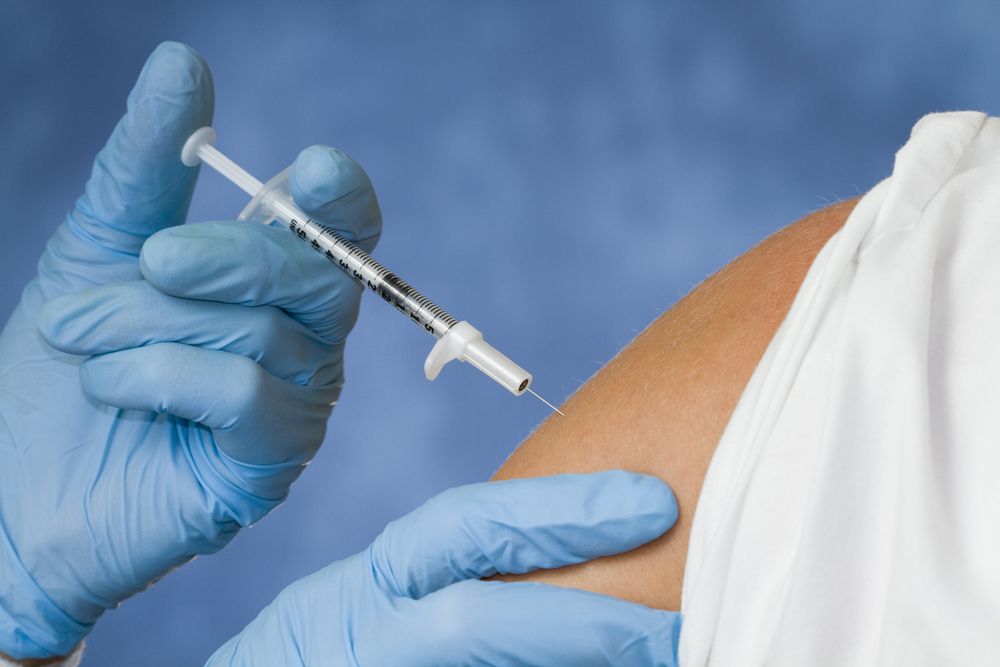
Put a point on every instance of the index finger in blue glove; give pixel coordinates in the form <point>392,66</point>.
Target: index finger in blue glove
<point>138,184</point>
<point>518,526</point>
<point>256,265</point>
<point>494,623</point>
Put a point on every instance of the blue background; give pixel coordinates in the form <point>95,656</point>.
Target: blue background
<point>558,173</point>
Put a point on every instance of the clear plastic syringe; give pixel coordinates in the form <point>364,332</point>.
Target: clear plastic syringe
<point>272,201</point>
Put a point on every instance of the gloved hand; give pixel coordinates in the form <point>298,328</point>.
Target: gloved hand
<point>414,598</point>
<point>152,404</point>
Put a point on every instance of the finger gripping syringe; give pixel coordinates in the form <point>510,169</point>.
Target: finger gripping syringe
<point>273,201</point>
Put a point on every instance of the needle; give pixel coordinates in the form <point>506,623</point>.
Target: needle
<point>546,402</point>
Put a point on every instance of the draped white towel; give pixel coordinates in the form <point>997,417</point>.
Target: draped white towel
<point>851,514</point>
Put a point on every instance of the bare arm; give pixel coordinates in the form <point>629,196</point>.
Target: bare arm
<point>661,405</point>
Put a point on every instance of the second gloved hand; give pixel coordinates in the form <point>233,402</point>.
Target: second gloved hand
<point>414,598</point>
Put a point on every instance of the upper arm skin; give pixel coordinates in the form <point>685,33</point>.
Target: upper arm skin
<point>661,405</point>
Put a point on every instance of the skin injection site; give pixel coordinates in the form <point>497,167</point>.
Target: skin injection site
<point>445,334</point>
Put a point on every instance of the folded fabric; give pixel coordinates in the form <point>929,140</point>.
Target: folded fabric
<point>851,514</point>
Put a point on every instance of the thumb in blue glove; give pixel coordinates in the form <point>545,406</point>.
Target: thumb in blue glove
<point>414,598</point>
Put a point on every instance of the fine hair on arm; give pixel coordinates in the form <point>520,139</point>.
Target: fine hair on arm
<point>661,405</point>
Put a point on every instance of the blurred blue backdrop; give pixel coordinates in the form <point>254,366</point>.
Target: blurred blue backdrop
<point>558,173</point>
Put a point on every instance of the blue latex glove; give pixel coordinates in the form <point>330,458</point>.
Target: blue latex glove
<point>414,598</point>
<point>218,355</point>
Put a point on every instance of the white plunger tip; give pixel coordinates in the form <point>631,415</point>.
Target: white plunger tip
<point>190,154</point>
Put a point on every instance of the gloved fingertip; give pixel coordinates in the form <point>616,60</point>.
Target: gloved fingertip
<point>50,322</point>
<point>654,499</point>
<point>100,376</point>
<point>157,256</point>
<point>661,635</point>
<point>59,320</point>
<point>139,184</point>
<point>330,186</point>
<point>322,175</point>
<point>173,97</point>
<point>662,497</point>
<point>173,72</point>
<point>168,257</point>
<point>656,639</point>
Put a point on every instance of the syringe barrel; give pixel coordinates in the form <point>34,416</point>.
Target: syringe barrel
<point>273,202</point>
<point>374,276</point>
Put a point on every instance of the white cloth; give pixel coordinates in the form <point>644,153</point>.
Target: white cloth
<point>851,514</point>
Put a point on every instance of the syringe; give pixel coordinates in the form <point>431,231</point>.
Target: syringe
<point>272,201</point>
